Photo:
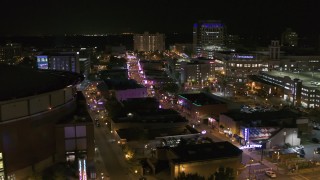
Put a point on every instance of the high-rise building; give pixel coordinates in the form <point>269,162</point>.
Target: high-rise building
<point>9,53</point>
<point>207,35</point>
<point>149,42</point>
<point>289,38</point>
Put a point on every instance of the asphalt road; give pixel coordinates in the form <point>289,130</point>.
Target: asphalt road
<point>110,154</point>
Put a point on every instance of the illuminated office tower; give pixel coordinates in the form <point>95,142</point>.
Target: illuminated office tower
<point>149,42</point>
<point>289,38</point>
<point>208,35</point>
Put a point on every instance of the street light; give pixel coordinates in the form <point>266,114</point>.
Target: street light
<point>250,163</point>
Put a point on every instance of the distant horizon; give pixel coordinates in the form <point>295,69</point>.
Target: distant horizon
<point>242,17</point>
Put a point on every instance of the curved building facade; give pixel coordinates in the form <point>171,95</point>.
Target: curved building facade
<point>27,123</point>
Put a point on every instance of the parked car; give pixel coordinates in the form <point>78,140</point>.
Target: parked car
<point>315,140</point>
<point>301,153</point>
<point>271,174</point>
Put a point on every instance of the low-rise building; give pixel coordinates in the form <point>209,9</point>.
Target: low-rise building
<point>203,159</point>
<point>265,129</point>
<point>201,105</point>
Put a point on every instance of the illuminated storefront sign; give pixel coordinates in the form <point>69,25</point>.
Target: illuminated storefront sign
<point>251,146</point>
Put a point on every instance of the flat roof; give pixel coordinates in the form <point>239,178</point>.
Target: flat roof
<point>305,77</point>
<point>200,99</point>
<point>205,152</point>
<point>132,134</point>
<point>18,82</point>
<point>117,84</point>
<point>271,116</point>
<point>151,116</point>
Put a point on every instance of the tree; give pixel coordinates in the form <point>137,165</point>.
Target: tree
<point>223,174</point>
<point>117,62</point>
<point>206,90</point>
<point>170,88</point>
<point>224,83</point>
<point>128,152</point>
<point>191,176</point>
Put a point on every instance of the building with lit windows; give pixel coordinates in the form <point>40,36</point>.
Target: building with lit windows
<point>240,66</point>
<point>237,67</point>
<point>208,35</point>
<point>9,53</point>
<point>149,42</point>
<point>62,61</point>
<point>289,38</point>
<point>298,89</point>
<point>199,72</point>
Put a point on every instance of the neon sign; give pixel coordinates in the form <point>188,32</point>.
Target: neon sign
<point>246,134</point>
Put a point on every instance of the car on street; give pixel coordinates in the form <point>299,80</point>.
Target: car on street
<point>271,174</point>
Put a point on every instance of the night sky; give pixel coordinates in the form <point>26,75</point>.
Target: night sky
<point>268,17</point>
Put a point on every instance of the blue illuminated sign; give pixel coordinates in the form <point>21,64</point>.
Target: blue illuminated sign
<point>42,62</point>
<point>244,56</point>
<point>209,25</point>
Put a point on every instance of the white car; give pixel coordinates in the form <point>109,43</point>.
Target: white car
<point>271,174</point>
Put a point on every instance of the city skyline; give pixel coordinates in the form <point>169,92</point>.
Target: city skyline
<point>268,18</point>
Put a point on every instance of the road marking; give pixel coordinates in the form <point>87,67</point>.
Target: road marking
<point>303,177</point>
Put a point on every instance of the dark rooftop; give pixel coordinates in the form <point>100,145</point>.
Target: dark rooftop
<point>151,116</point>
<point>265,117</point>
<point>133,134</point>
<point>122,84</point>
<point>18,82</point>
<point>205,151</point>
<point>238,116</point>
<point>201,99</point>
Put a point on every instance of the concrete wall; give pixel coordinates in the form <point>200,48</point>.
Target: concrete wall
<point>228,122</point>
<point>57,98</point>
<point>14,110</point>
<point>39,104</point>
<point>28,106</point>
<point>286,135</point>
<point>68,93</point>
